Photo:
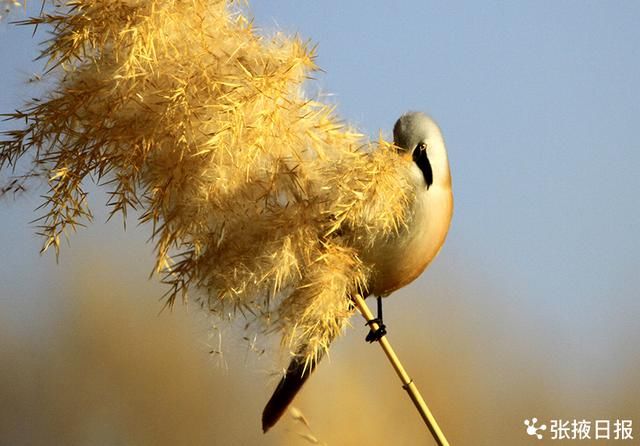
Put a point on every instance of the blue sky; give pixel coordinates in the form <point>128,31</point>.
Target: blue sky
<point>539,103</point>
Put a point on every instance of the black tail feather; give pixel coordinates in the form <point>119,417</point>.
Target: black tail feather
<point>288,388</point>
<point>297,374</point>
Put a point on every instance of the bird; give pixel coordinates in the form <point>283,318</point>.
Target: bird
<point>397,259</point>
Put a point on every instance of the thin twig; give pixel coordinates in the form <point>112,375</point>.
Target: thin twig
<point>407,382</point>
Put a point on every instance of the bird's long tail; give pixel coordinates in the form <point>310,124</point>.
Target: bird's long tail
<point>297,374</point>
<point>299,370</point>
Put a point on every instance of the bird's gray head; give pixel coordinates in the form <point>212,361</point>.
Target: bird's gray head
<point>418,135</point>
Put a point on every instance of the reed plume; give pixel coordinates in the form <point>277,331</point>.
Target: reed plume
<point>256,194</point>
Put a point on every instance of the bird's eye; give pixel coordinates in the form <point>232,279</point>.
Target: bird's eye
<point>422,146</point>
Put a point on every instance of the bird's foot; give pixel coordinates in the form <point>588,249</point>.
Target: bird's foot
<point>378,333</point>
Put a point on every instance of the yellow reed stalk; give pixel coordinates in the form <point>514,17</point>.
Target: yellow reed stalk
<point>407,382</point>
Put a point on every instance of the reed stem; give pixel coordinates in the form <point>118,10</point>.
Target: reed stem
<point>407,382</point>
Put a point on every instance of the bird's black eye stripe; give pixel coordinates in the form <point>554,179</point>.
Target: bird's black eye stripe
<point>422,161</point>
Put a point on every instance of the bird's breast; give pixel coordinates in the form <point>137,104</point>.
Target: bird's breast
<point>400,258</point>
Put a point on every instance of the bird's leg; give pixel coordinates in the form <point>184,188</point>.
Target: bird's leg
<point>375,335</point>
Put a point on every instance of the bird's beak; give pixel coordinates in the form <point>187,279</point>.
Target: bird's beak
<point>403,153</point>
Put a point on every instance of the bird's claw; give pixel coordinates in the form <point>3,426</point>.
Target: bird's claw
<point>377,334</point>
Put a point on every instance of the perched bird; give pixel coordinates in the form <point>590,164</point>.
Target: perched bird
<point>398,259</point>
<point>262,203</point>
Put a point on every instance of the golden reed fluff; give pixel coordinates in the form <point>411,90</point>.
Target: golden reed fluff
<point>181,111</point>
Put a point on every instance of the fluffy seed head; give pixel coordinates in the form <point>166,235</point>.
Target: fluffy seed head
<point>180,110</point>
